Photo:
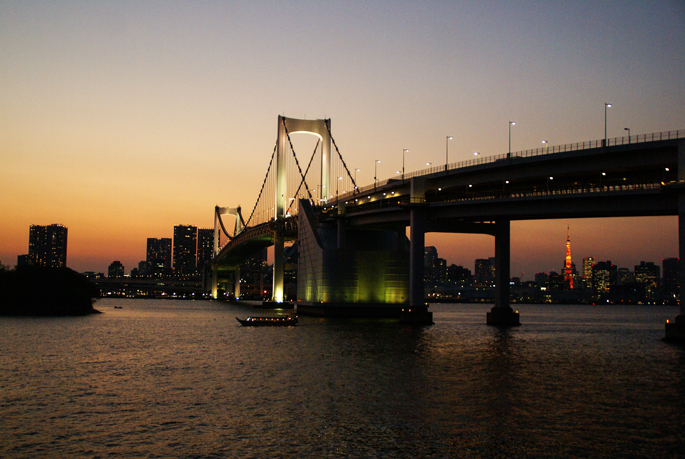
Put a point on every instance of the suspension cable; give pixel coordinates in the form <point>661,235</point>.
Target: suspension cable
<point>305,174</point>
<point>296,161</point>
<point>263,184</point>
<point>339,155</point>
<point>221,222</point>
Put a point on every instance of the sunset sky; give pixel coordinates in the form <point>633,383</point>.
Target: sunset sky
<point>121,119</point>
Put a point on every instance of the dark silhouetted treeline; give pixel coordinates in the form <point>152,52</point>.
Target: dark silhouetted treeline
<point>39,291</point>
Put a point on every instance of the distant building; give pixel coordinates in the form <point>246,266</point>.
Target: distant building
<point>604,276</point>
<point>542,280</point>
<point>158,257</point>
<point>625,276</point>
<point>24,260</point>
<point>205,246</point>
<point>185,250</point>
<point>588,264</point>
<point>671,269</point>
<point>48,246</point>
<point>485,271</point>
<point>458,275</point>
<point>115,270</point>
<point>648,275</point>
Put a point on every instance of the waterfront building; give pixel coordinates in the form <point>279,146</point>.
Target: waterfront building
<point>648,275</point>
<point>205,246</point>
<point>185,249</point>
<point>158,256</point>
<point>485,271</point>
<point>115,270</point>
<point>48,246</point>
<point>588,263</point>
<point>625,276</point>
<point>542,280</point>
<point>670,270</point>
<point>604,276</point>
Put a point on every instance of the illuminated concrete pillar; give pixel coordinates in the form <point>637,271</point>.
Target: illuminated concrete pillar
<point>417,243</point>
<point>279,267</point>
<point>236,285</point>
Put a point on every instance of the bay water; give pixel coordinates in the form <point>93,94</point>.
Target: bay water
<point>183,379</point>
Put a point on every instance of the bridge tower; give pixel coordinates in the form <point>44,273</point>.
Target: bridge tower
<point>287,126</point>
<point>218,211</point>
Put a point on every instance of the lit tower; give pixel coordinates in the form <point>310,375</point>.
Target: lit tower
<point>568,267</point>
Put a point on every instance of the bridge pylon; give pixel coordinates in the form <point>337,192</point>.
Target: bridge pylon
<point>218,212</point>
<point>287,126</point>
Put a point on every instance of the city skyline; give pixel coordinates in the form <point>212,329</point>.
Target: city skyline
<point>121,120</point>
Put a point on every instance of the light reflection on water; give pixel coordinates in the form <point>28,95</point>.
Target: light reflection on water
<point>183,379</point>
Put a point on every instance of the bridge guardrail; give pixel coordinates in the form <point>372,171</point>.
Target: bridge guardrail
<point>626,140</point>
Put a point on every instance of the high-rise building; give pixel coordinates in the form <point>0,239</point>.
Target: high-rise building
<point>48,246</point>
<point>648,274</point>
<point>588,263</point>
<point>115,269</point>
<point>604,275</point>
<point>185,249</point>
<point>205,246</point>
<point>485,271</point>
<point>158,256</point>
<point>625,277</point>
<point>671,269</point>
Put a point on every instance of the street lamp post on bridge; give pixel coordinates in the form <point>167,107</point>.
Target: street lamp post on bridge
<point>606,105</point>
<point>375,173</point>
<point>403,152</point>
<point>447,146</point>
<point>511,123</point>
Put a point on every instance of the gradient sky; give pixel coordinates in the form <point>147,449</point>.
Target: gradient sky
<point>121,119</point>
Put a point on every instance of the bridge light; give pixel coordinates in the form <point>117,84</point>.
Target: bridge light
<point>475,153</point>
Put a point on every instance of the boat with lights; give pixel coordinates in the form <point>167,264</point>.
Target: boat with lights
<point>269,321</point>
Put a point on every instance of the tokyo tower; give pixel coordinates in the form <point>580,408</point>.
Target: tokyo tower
<point>568,268</point>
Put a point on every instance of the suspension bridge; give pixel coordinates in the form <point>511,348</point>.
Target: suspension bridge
<point>353,251</point>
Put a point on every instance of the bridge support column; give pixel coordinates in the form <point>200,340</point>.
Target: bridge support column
<point>417,311</point>
<point>279,265</point>
<point>215,281</point>
<point>502,314</point>
<point>236,282</point>
<point>675,331</point>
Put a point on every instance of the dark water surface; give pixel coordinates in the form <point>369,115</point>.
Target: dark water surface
<point>182,379</point>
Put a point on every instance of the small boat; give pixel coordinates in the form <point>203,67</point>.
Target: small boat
<point>271,321</point>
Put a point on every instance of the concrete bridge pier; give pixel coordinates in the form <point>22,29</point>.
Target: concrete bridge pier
<point>502,314</point>
<point>417,311</point>
<point>675,331</point>
<point>279,267</point>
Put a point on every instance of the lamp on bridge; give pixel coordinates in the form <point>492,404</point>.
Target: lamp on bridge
<point>375,172</point>
<point>355,179</point>
<point>403,152</point>
<point>627,129</point>
<point>447,142</point>
<point>606,105</point>
<point>544,142</point>
<point>511,123</point>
